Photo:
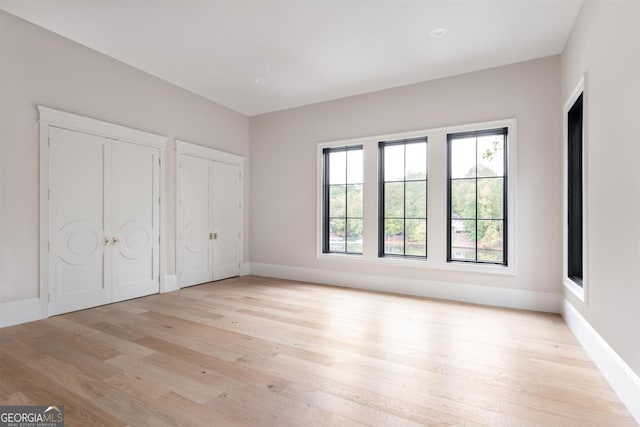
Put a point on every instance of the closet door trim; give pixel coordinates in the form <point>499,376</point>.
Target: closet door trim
<point>48,118</point>
<point>190,149</point>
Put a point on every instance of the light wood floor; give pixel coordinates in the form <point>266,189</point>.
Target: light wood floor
<point>263,352</point>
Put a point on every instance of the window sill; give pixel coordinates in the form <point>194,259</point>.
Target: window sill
<point>575,289</point>
<point>428,264</point>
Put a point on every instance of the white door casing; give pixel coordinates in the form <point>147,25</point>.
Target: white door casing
<point>98,182</point>
<point>222,210</point>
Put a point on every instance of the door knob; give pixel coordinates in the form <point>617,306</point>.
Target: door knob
<point>213,236</point>
<point>115,241</point>
<point>107,241</point>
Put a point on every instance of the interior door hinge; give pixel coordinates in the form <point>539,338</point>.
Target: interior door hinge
<point>158,200</point>
<point>49,141</point>
<point>159,161</point>
<point>48,297</point>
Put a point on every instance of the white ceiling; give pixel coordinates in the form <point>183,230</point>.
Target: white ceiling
<point>302,52</point>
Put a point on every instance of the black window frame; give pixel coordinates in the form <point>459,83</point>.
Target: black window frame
<point>575,183</point>
<point>504,131</point>
<point>381,198</point>
<point>325,199</point>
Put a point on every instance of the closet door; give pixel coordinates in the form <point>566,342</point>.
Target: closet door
<point>135,209</point>
<point>80,263</point>
<point>226,220</point>
<point>195,245</point>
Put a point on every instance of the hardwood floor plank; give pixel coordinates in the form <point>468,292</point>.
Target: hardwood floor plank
<point>136,411</point>
<point>354,410</point>
<point>157,377</point>
<point>255,351</point>
<point>16,399</point>
<point>92,367</point>
<point>268,407</point>
<point>428,401</point>
<point>136,385</point>
<point>69,376</point>
<point>195,414</point>
<point>75,341</point>
<point>110,335</point>
<point>231,369</point>
<point>79,409</point>
<point>340,421</point>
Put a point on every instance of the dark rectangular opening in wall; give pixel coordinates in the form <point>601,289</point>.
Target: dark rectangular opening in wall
<point>574,187</point>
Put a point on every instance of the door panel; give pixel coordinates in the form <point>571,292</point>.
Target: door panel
<point>195,221</point>
<point>135,207</point>
<point>79,265</point>
<point>226,220</point>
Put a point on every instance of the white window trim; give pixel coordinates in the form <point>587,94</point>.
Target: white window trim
<point>581,292</point>
<point>436,260</point>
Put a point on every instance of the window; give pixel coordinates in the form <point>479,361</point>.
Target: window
<point>574,192</point>
<point>342,200</point>
<point>574,225</point>
<point>435,199</point>
<point>403,198</point>
<point>477,197</point>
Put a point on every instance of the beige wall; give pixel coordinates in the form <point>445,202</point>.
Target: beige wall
<point>283,181</point>
<point>39,67</point>
<point>604,44</point>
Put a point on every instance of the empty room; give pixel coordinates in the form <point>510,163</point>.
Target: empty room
<point>319,213</point>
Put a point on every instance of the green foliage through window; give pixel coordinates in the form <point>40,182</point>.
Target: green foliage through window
<point>477,196</point>
<point>342,208</point>
<point>403,198</point>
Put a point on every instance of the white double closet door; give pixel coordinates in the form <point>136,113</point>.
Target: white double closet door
<point>103,220</point>
<point>209,220</point>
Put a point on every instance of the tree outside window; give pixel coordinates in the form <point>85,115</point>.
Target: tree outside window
<point>342,228</point>
<point>403,198</point>
<point>477,197</point>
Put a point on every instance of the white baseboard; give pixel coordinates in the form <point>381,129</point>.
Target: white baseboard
<point>28,310</point>
<point>170,283</point>
<point>21,311</point>
<point>623,380</point>
<point>487,295</point>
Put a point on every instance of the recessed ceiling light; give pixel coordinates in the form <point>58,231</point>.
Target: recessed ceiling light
<point>257,80</point>
<point>438,32</point>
